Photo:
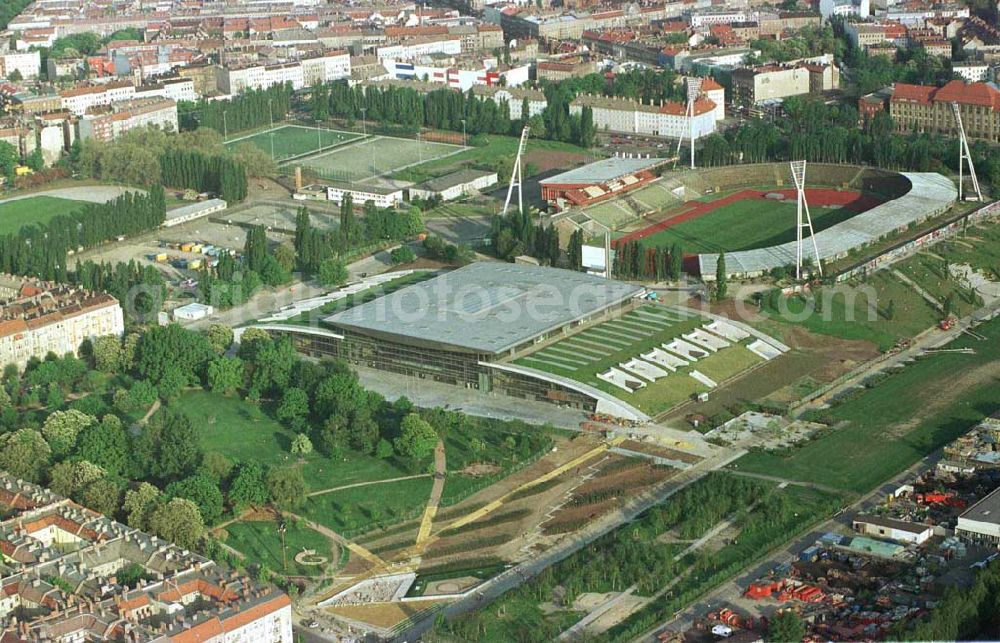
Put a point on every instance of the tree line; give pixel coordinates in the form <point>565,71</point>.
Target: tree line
<point>41,249</point>
<point>196,170</point>
<point>634,260</point>
<point>250,109</point>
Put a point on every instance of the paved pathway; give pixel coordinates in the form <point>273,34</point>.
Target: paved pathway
<point>596,613</point>
<point>929,298</point>
<point>365,484</point>
<point>440,468</point>
<point>334,536</point>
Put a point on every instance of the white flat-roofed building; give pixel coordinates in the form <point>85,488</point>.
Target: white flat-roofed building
<point>193,312</point>
<point>448,45</point>
<point>898,530</point>
<point>980,524</point>
<point>193,211</point>
<point>455,185</point>
<point>383,197</point>
<point>972,72</point>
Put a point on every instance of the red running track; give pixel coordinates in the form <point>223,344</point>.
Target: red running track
<point>817,197</point>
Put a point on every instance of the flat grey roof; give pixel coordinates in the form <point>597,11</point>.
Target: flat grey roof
<point>485,307</point>
<point>986,510</point>
<point>603,170</point>
<point>929,194</point>
<point>455,178</point>
<point>193,208</point>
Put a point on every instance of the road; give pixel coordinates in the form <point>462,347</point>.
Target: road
<point>495,587</point>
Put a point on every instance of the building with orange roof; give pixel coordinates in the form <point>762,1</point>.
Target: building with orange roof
<point>37,318</point>
<point>62,581</point>
<point>925,108</point>
<point>655,118</point>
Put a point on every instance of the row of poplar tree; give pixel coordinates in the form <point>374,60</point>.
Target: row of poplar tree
<point>41,249</point>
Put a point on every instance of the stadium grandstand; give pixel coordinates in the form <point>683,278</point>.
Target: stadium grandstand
<point>599,181</point>
<point>929,195</point>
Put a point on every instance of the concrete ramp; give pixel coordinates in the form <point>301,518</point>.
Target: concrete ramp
<point>622,380</point>
<point>663,358</point>
<point>643,369</point>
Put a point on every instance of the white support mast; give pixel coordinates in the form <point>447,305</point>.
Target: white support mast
<point>803,223</point>
<point>516,176</point>
<point>964,156</point>
<point>693,92</point>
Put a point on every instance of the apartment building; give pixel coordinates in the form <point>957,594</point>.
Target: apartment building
<point>27,64</point>
<point>79,100</point>
<point>769,82</point>
<point>176,89</point>
<point>923,108</point>
<point>181,597</point>
<point>326,67</point>
<point>236,80</point>
<point>111,122</point>
<point>38,318</point>
<point>420,47</point>
<point>663,118</point>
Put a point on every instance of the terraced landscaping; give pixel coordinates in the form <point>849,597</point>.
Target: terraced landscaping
<point>584,355</point>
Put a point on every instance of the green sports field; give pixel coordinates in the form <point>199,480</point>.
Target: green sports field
<point>36,209</point>
<point>376,156</point>
<point>291,141</point>
<point>744,225</point>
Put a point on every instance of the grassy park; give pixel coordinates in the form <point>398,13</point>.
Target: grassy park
<point>36,209</point>
<point>260,542</point>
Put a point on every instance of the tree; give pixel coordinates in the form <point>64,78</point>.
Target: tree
<point>286,486</point>
<point>402,254</point>
<point>216,465</point>
<point>171,444</point>
<point>107,352</point>
<point>177,521</point>
<point>139,505</point>
<point>721,277</point>
<point>284,254</point>
<point>294,406</point>
<point>202,490</point>
<point>786,627</point>
<point>417,438</point>
<point>172,351</point>
<point>333,272</point>
<point>35,160</point>
<point>105,444</point>
<point>302,445</point>
<point>384,450</point>
<point>101,495</point>
<point>62,428</point>
<point>25,454</point>
<point>225,374</point>
<point>890,311</point>
<point>248,486</point>
<point>220,337</point>
<point>68,478</point>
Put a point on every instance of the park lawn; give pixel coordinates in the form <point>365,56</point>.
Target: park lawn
<point>360,509</point>
<point>36,209</point>
<point>483,157</point>
<point>244,431</point>
<point>744,225</point>
<point>887,428</point>
<point>260,542</point>
<point>858,311</point>
<point>294,140</point>
<point>928,271</point>
<point>979,247</point>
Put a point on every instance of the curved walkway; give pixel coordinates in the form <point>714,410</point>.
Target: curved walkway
<point>365,484</point>
<point>434,501</point>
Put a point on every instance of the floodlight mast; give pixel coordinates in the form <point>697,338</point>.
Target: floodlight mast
<point>516,176</point>
<point>693,92</point>
<point>803,219</point>
<point>964,156</point>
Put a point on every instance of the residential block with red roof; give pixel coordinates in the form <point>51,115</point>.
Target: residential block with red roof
<point>62,581</point>
<point>925,108</point>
